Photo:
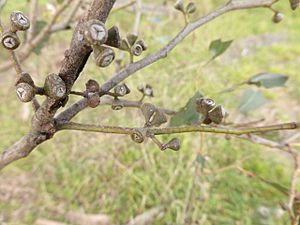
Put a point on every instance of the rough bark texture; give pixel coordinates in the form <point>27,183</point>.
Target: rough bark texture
<point>43,123</point>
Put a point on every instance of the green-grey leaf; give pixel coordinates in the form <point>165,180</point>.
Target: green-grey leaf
<point>251,100</point>
<point>268,80</point>
<point>218,47</point>
<point>187,114</point>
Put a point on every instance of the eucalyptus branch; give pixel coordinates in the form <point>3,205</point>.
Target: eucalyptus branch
<point>35,41</point>
<point>21,148</point>
<point>162,53</point>
<point>189,28</point>
<point>43,124</point>
<point>176,130</point>
<point>74,109</point>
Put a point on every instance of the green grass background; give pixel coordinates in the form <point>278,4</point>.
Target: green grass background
<point>99,173</point>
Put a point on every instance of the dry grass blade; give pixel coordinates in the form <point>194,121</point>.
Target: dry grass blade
<point>48,222</point>
<point>80,218</point>
<point>147,217</point>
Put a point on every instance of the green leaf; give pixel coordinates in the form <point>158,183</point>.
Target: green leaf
<point>251,100</point>
<point>268,80</point>
<point>40,25</point>
<point>218,47</point>
<point>59,1</point>
<point>188,114</point>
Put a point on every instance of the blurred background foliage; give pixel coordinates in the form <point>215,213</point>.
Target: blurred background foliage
<point>98,173</point>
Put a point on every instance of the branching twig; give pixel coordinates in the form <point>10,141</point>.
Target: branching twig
<point>132,68</point>
<point>73,110</point>
<point>189,28</point>
<point>75,60</point>
<point>174,130</point>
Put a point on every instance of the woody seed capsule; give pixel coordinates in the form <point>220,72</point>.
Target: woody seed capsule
<point>25,92</point>
<point>10,40</point>
<point>19,22</point>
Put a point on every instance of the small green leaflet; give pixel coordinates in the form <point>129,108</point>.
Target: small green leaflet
<point>188,114</point>
<point>251,100</point>
<point>218,47</point>
<point>268,80</point>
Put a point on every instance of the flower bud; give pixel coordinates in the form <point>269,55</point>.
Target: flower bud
<point>294,4</point>
<point>179,6</point>
<point>191,8</point>
<point>92,86</point>
<point>173,144</point>
<point>278,17</point>
<point>93,99</point>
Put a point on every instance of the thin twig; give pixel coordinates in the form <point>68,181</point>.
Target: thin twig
<point>174,130</point>
<point>16,62</point>
<point>32,17</point>
<point>293,184</point>
<point>123,5</point>
<point>138,15</point>
<point>72,111</point>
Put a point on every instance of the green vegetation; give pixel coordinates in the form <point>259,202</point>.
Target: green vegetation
<point>111,174</point>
